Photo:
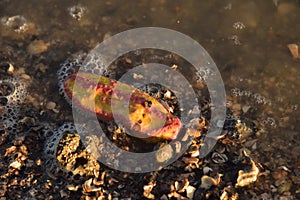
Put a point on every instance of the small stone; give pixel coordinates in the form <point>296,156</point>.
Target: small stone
<point>206,170</point>
<point>11,69</point>
<point>285,187</point>
<point>63,194</point>
<point>128,60</point>
<point>245,108</point>
<point>190,190</point>
<point>294,50</point>
<point>25,77</point>
<point>38,162</point>
<point>41,67</point>
<point>164,197</point>
<point>51,105</point>
<point>37,47</point>
<point>165,153</point>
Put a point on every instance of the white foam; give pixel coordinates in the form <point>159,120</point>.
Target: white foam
<point>13,100</point>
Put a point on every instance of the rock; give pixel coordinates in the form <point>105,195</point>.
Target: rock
<point>37,47</point>
<point>51,105</point>
<point>10,69</point>
<point>294,50</point>
<point>190,190</point>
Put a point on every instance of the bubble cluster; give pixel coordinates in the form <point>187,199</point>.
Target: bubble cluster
<point>294,107</point>
<point>203,74</point>
<point>236,40</point>
<point>76,11</point>
<point>65,153</point>
<point>12,94</point>
<point>94,63</point>
<point>88,63</point>
<point>238,25</point>
<point>258,98</point>
<point>53,137</point>
<point>18,23</point>
<point>70,66</point>
<point>270,121</point>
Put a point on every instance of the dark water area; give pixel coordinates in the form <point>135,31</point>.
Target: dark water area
<point>246,39</point>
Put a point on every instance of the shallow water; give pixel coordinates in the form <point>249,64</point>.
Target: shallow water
<point>246,39</point>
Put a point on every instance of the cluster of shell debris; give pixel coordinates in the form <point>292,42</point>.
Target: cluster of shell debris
<point>220,175</point>
<point>49,160</point>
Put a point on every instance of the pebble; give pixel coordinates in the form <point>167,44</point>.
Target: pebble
<point>164,153</point>
<point>25,77</point>
<point>51,105</point>
<point>41,67</point>
<point>37,47</point>
<point>10,69</point>
<point>190,190</point>
<point>245,108</point>
<point>285,187</point>
<point>206,170</point>
<point>294,50</point>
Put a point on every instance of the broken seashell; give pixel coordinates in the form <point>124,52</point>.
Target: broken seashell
<point>219,158</point>
<point>229,195</point>
<point>206,170</point>
<point>294,50</point>
<point>207,181</point>
<point>191,160</point>
<point>181,186</point>
<point>147,191</point>
<point>245,178</point>
<point>88,187</point>
<point>16,165</point>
